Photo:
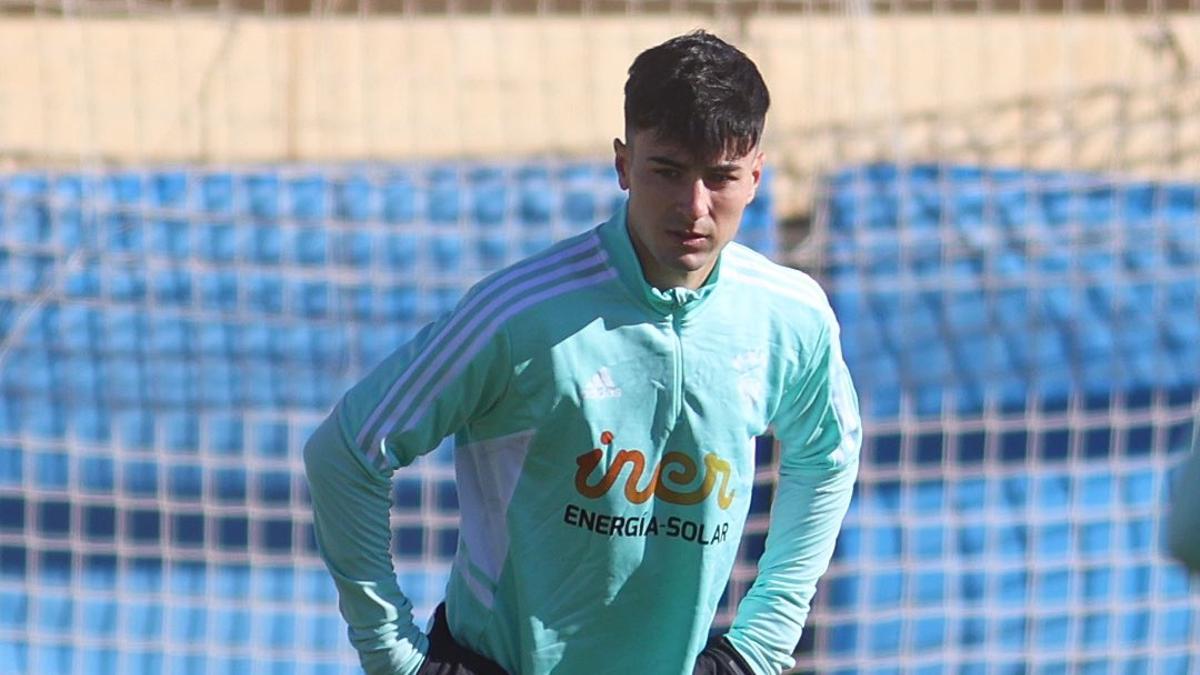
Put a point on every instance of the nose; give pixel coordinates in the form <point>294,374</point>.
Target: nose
<point>696,200</point>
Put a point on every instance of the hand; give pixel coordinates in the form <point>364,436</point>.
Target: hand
<point>447,657</point>
<point>720,658</point>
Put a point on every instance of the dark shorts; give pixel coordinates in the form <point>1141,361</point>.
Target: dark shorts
<point>448,657</point>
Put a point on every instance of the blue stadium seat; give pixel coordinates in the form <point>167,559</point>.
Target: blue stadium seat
<point>24,186</point>
<point>310,299</point>
<point>276,630</point>
<point>1095,538</point>
<point>1139,489</point>
<point>125,284</point>
<point>356,303</point>
<point>90,423</point>
<point>579,202</point>
<point>78,329</point>
<point>97,474</point>
<point>884,638</point>
<point>1174,628</point>
<point>308,195</point>
<point>218,386</point>
<point>328,347</point>
<point>139,478</point>
<point>187,663</point>
<point>492,251</point>
<point>252,342</point>
<point>54,613</point>
<point>172,286</point>
<point>489,195</point>
<point>261,386</point>
<point>1183,242</point>
<point>136,428</point>
<point>29,223</point>
<point>170,237</point>
<point>100,617</point>
<point>54,658</point>
<point>170,336</point>
<point>264,293</point>
<point>45,417</point>
<point>1094,493</point>
<point>173,385</point>
<point>218,290</point>
<point>29,274</point>
<point>271,439</point>
<point>84,279</point>
<point>353,248</point>
<point>262,244</point>
<point>444,194</point>
<point>66,188</point>
<point>535,243</point>
<point>400,250</point>
<point>1182,202</point>
<point>217,192</point>
<point>401,303</point>
<point>263,195</point>
<point>310,245</point>
<point>51,470</point>
<point>125,188</point>
<point>399,198</point>
<point>225,435</point>
<point>1134,630</point>
<point>323,634</point>
<point>446,252</point>
<point>354,199</point>
<point>372,346</point>
<point>169,189</point>
<point>536,199</point>
<point>231,628</point>
<point>218,242</point>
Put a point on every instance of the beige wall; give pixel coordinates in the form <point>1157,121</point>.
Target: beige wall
<point>250,89</point>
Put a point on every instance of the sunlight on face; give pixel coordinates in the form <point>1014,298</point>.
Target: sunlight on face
<point>683,209</point>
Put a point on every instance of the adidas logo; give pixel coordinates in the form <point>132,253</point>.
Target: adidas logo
<point>601,386</point>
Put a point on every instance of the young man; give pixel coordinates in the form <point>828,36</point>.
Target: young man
<point>604,397</point>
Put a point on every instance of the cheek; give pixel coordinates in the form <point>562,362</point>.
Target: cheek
<point>729,208</point>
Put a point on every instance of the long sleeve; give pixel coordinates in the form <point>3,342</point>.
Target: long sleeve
<point>453,371</point>
<point>820,432</point>
<point>1183,517</point>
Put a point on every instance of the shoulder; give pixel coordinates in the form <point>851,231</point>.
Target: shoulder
<point>544,279</point>
<point>789,294</point>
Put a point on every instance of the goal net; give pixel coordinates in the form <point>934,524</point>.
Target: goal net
<point>214,216</point>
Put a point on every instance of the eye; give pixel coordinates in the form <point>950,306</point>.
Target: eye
<point>667,173</point>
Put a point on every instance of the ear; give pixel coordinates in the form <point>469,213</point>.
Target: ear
<point>756,170</point>
<point>621,162</point>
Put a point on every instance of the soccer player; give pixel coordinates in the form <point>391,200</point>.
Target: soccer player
<point>604,396</point>
<point>1183,519</point>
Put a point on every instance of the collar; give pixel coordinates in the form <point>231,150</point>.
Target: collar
<point>614,234</point>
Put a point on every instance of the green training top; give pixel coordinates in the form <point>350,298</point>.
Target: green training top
<point>604,459</point>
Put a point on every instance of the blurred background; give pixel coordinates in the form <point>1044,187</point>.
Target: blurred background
<point>215,216</point>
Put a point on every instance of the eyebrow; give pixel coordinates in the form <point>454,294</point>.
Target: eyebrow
<point>729,167</point>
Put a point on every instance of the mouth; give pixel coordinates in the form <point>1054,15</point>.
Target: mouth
<point>689,237</point>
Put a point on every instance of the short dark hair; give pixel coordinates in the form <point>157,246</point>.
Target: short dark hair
<point>699,92</point>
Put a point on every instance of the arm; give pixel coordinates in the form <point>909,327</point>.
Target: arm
<point>416,397</point>
<point>820,433</point>
<point>1183,518</point>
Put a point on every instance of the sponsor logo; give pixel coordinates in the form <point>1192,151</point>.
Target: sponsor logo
<point>601,386</point>
<point>667,481</point>
<point>645,526</point>
<point>751,360</point>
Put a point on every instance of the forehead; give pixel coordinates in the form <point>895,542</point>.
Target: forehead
<point>651,145</point>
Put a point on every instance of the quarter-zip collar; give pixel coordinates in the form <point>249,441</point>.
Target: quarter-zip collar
<point>678,301</point>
